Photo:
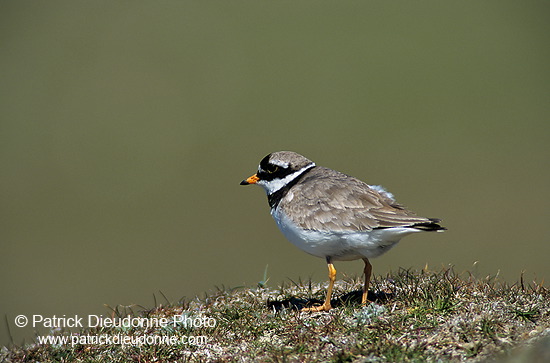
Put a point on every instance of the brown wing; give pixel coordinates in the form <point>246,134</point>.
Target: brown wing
<point>329,200</point>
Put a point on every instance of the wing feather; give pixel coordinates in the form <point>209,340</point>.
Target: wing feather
<point>327,200</point>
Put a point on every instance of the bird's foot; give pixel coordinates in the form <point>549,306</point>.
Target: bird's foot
<point>324,307</point>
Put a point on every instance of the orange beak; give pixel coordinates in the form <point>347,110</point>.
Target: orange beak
<point>250,180</point>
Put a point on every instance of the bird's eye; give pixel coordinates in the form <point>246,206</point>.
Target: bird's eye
<point>272,168</point>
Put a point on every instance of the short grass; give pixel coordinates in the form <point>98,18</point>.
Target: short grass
<point>416,316</point>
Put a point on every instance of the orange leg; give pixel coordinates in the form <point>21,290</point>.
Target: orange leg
<point>368,271</point>
<point>331,278</point>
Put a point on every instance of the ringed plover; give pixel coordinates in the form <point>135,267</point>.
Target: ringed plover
<point>332,215</point>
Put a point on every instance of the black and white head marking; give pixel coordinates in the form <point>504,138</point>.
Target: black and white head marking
<point>278,170</point>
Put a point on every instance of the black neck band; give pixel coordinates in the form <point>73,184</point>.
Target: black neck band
<point>274,198</point>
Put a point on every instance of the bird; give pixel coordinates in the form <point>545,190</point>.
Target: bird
<point>333,215</point>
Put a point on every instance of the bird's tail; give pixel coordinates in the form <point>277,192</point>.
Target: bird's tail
<point>431,226</point>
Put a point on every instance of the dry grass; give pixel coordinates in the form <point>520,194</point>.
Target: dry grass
<point>416,316</point>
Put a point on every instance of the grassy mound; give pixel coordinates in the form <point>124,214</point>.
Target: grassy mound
<point>415,316</point>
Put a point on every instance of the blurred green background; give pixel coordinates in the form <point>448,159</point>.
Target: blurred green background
<point>126,127</point>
